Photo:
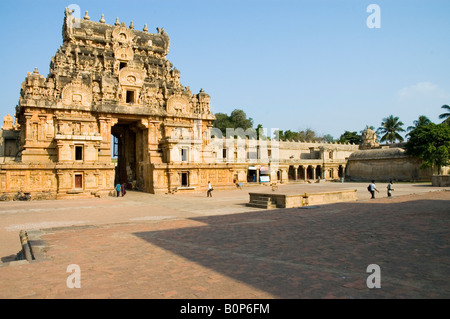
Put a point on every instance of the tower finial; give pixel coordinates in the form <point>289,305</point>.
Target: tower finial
<point>117,22</point>
<point>86,16</point>
<point>145,28</point>
<point>131,25</point>
<point>102,19</point>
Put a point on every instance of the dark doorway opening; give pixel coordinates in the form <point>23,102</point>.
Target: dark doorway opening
<point>122,65</point>
<point>130,97</point>
<point>291,173</point>
<point>341,171</point>
<point>301,172</point>
<point>319,172</point>
<point>184,179</point>
<point>309,172</point>
<point>251,175</point>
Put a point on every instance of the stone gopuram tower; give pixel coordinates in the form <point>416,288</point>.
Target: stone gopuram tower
<point>111,84</point>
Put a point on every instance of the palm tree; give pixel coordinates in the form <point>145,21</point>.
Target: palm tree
<point>422,120</point>
<point>445,116</point>
<point>390,126</point>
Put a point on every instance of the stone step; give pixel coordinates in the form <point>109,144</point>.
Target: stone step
<point>261,205</point>
<point>262,202</point>
<point>261,198</point>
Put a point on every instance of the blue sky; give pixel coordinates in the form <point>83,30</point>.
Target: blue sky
<point>288,64</point>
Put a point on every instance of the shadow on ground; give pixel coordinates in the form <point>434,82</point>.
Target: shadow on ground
<point>324,252</point>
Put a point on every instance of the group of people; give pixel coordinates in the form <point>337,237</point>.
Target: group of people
<point>120,189</point>
<point>372,189</point>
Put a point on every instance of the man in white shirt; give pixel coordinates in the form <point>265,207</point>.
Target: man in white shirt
<point>372,189</point>
<point>210,189</point>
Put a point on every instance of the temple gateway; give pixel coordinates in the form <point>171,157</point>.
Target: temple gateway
<point>110,88</point>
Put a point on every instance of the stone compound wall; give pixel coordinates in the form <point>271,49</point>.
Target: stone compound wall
<point>385,164</point>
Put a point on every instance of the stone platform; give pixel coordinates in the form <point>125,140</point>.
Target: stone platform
<point>277,200</point>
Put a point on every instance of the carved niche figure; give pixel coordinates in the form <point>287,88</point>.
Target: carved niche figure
<point>178,104</point>
<point>131,76</point>
<point>122,34</point>
<point>76,94</point>
<point>150,96</point>
<point>96,92</point>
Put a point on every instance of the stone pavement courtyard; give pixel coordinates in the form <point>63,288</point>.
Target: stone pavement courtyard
<point>189,246</point>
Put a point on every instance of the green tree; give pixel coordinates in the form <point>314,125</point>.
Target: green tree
<point>308,135</point>
<point>291,136</point>
<point>350,137</point>
<point>237,119</point>
<point>390,128</point>
<point>445,116</point>
<point>327,138</point>
<point>431,143</point>
<point>222,121</point>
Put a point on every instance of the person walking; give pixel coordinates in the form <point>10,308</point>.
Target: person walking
<point>372,188</point>
<point>389,189</point>
<point>210,189</point>
<point>123,189</point>
<point>118,188</point>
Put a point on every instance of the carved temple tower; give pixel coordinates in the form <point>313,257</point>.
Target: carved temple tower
<point>109,81</point>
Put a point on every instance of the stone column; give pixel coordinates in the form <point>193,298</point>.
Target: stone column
<point>305,173</point>
<point>314,171</point>
<point>295,173</point>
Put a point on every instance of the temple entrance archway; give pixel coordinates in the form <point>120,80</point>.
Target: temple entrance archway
<point>125,152</point>
<point>128,141</point>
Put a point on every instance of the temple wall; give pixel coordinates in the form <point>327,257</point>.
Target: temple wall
<point>398,169</point>
<point>39,180</point>
<point>54,181</point>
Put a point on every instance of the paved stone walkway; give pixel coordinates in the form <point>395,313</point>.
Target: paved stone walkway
<point>188,246</point>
